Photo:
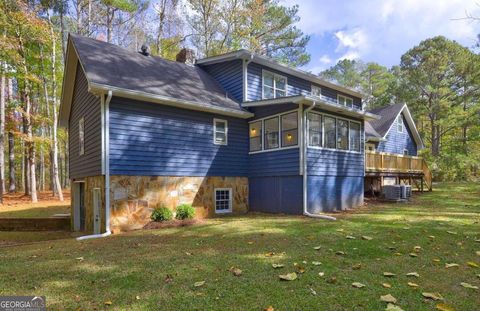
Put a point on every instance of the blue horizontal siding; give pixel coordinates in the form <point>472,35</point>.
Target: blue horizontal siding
<point>274,163</point>
<point>295,85</point>
<point>229,75</point>
<point>334,163</point>
<point>157,140</point>
<point>276,194</point>
<point>396,142</point>
<point>334,193</point>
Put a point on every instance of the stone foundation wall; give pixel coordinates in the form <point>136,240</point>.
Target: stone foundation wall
<point>134,197</point>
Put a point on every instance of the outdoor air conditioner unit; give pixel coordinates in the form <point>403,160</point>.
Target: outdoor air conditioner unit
<point>406,192</point>
<point>392,192</point>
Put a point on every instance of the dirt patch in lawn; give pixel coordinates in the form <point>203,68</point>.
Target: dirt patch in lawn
<point>172,223</point>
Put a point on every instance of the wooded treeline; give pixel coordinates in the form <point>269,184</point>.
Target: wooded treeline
<point>439,79</point>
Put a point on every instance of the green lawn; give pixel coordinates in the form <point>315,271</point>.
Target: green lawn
<point>157,269</point>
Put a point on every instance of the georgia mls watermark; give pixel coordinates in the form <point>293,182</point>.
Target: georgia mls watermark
<point>22,303</point>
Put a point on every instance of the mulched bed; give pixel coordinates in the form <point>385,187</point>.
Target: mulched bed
<point>172,223</point>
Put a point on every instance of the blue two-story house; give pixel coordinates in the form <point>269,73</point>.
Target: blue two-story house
<point>228,134</point>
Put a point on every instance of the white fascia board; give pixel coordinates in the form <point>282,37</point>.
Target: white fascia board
<point>166,100</point>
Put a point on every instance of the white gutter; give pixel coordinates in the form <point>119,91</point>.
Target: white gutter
<point>106,166</point>
<point>305,180</point>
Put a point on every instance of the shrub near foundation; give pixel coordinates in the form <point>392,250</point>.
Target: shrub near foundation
<point>185,211</point>
<point>162,214</point>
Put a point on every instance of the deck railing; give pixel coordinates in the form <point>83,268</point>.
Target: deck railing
<point>387,162</point>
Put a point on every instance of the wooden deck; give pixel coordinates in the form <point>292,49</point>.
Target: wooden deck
<point>411,168</point>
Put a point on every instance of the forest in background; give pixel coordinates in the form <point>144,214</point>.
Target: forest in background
<point>439,79</point>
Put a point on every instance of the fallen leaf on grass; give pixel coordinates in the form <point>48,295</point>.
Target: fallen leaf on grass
<point>443,307</point>
<point>277,265</point>
<point>452,232</point>
<point>366,237</point>
<point>79,258</point>
<point>358,285</point>
<point>388,274</point>
<point>398,254</point>
<point>473,264</point>
<point>349,237</point>
<point>386,285</point>
<point>340,253</point>
<point>431,237</point>
<point>137,297</point>
<point>316,263</point>
<point>392,307</point>
<point>357,266</point>
<point>107,303</point>
<point>436,260</point>
<point>269,308</point>
<point>235,271</point>
<point>468,285</point>
<point>198,284</point>
<point>415,274</point>
<point>417,248</point>
<point>250,242</point>
<point>388,298</point>
<point>478,253</point>
<point>321,273</point>
<point>301,269</point>
<point>434,296</point>
<point>288,277</point>
<point>411,284</point>
<point>340,230</point>
<point>317,248</point>
<point>413,255</point>
<point>269,254</point>
<point>314,293</point>
<point>332,280</point>
<point>168,278</point>
<point>451,265</point>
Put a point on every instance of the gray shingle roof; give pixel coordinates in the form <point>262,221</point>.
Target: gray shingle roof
<point>109,64</point>
<point>388,115</point>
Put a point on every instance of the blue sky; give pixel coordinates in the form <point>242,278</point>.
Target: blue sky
<point>380,30</point>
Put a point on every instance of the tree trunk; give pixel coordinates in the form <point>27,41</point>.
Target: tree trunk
<point>11,162</point>
<point>56,179</point>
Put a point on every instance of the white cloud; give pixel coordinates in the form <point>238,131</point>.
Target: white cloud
<point>382,30</point>
<point>325,59</point>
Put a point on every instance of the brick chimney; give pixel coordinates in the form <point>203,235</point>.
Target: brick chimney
<point>186,56</point>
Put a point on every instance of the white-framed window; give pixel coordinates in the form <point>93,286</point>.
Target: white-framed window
<point>332,132</point>
<point>255,132</point>
<point>354,136</point>
<point>271,133</point>
<point>345,101</point>
<point>316,91</point>
<point>400,123</point>
<point>223,200</point>
<point>81,136</point>
<point>289,127</point>
<point>220,132</point>
<point>405,151</point>
<point>274,132</point>
<point>273,85</point>
<point>329,127</point>
<point>315,129</point>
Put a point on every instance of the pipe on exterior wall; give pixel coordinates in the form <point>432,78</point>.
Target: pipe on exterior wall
<point>304,164</point>
<point>245,63</point>
<point>106,166</point>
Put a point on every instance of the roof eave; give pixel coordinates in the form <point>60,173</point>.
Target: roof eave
<point>308,99</point>
<point>166,100</point>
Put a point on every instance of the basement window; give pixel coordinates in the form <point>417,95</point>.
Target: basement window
<point>223,200</point>
<point>81,136</point>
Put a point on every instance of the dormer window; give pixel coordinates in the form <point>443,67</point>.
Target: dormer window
<point>274,85</point>
<point>316,91</point>
<point>345,101</point>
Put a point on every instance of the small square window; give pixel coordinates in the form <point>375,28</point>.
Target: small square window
<point>81,136</point>
<point>220,132</point>
<point>405,151</point>
<point>345,101</point>
<point>223,200</point>
<point>316,91</point>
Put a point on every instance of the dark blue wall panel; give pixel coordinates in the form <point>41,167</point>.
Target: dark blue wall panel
<point>230,76</point>
<point>295,85</point>
<point>276,194</point>
<point>274,163</point>
<point>157,140</point>
<point>333,193</point>
<point>265,111</point>
<point>396,142</point>
<point>87,106</point>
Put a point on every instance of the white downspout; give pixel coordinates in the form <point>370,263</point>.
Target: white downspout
<point>305,177</point>
<point>245,63</point>
<point>106,166</point>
